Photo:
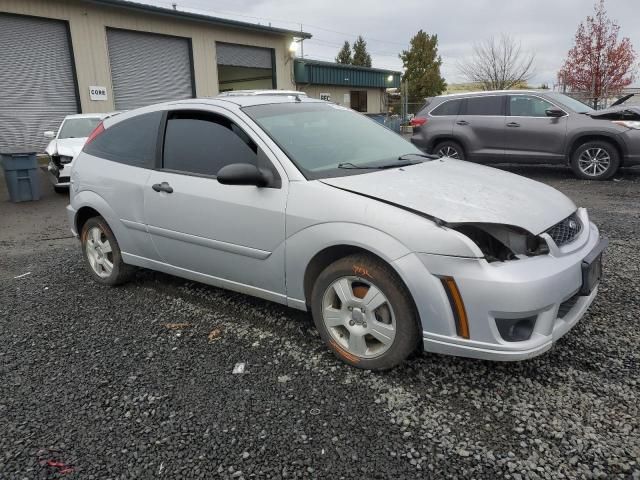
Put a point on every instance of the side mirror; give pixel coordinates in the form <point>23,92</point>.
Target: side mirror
<point>243,174</point>
<point>555,112</point>
<point>49,134</point>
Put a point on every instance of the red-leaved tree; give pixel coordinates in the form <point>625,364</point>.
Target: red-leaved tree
<point>599,63</point>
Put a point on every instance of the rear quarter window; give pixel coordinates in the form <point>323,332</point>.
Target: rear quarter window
<point>450,107</point>
<point>132,141</point>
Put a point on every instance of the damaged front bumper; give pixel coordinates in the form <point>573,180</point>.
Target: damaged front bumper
<point>543,296</point>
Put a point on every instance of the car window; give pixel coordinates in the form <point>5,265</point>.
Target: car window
<point>202,143</point>
<point>132,141</point>
<point>451,107</point>
<point>78,127</point>
<point>528,106</point>
<point>489,105</point>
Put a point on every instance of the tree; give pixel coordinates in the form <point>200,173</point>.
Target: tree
<point>360,55</point>
<point>422,67</point>
<point>344,55</point>
<point>498,64</point>
<point>599,63</point>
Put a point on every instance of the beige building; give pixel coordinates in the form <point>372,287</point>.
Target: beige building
<point>61,57</point>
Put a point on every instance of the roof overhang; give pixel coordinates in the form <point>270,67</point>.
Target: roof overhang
<point>196,17</point>
<point>315,72</point>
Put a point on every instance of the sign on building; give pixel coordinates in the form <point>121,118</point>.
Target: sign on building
<point>98,93</point>
<point>325,96</point>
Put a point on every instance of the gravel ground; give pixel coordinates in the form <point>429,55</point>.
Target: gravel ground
<point>137,382</point>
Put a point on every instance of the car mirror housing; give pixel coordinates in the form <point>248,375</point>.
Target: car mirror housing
<point>49,134</point>
<point>243,174</point>
<point>555,112</point>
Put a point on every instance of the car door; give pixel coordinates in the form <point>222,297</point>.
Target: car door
<point>227,235</point>
<point>530,135</point>
<point>480,128</point>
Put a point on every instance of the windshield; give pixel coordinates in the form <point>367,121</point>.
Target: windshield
<point>78,127</point>
<point>575,105</point>
<point>326,140</point>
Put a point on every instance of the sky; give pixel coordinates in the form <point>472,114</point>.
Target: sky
<point>545,28</point>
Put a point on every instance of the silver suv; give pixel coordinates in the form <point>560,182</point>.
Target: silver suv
<point>315,206</point>
<point>530,127</point>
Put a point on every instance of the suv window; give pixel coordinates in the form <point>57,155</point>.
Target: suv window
<point>132,141</point>
<point>450,107</point>
<point>487,105</point>
<point>202,143</point>
<point>528,106</point>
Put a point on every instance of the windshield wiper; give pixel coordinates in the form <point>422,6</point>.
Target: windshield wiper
<point>423,155</point>
<point>353,166</point>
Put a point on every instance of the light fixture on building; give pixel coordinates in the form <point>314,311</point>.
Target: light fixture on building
<point>390,78</point>
<point>293,47</point>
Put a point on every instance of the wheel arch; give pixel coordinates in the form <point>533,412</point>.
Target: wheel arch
<point>447,138</point>
<point>583,138</point>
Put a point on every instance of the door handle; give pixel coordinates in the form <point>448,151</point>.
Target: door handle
<point>462,122</point>
<point>513,124</point>
<point>162,187</point>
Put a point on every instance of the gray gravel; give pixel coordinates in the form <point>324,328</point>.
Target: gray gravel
<point>136,381</point>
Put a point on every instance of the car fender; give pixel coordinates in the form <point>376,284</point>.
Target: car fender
<point>52,148</point>
<point>305,244</point>
<point>89,198</point>
<point>613,136</point>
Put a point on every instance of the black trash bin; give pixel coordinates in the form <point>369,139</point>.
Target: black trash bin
<point>20,167</point>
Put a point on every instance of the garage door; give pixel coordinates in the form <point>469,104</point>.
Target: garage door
<point>37,82</point>
<point>242,67</point>
<point>148,68</point>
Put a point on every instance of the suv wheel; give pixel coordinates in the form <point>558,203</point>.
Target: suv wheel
<point>449,149</point>
<point>597,160</point>
<point>364,313</point>
<point>102,253</point>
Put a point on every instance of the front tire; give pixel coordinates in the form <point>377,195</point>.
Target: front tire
<point>597,160</point>
<point>450,149</point>
<point>364,313</point>
<point>102,253</point>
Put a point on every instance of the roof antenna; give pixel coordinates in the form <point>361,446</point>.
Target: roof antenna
<point>298,97</point>
<point>175,6</point>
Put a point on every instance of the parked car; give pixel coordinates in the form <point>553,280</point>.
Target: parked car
<point>518,126</point>
<point>315,206</point>
<point>66,143</point>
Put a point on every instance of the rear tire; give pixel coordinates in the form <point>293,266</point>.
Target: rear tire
<point>450,149</point>
<point>102,253</point>
<point>596,160</point>
<point>364,313</point>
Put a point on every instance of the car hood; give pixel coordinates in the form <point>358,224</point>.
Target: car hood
<point>67,147</point>
<point>621,112</point>
<point>456,191</point>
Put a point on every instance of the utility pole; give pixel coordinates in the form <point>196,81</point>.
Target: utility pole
<point>301,44</point>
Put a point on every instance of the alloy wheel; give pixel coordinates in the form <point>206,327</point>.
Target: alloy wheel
<point>448,151</point>
<point>359,317</point>
<point>99,252</point>
<point>594,162</point>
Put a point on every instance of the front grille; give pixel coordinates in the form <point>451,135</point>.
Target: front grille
<point>565,231</point>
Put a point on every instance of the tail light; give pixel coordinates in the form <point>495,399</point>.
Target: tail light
<point>418,121</point>
<point>96,131</point>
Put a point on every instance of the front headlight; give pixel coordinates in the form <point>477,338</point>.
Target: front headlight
<point>500,243</point>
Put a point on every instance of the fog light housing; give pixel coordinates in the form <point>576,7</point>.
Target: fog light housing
<point>516,329</point>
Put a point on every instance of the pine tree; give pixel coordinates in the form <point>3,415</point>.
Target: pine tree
<point>422,67</point>
<point>344,55</point>
<point>360,55</point>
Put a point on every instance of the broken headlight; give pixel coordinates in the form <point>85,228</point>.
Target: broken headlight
<point>500,243</point>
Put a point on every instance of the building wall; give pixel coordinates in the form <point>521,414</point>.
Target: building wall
<point>88,24</point>
<point>337,93</point>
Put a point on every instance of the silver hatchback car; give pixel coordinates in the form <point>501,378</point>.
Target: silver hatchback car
<point>312,205</point>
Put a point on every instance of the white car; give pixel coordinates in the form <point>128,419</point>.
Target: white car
<point>67,143</point>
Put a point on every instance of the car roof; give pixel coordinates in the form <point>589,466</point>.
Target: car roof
<point>90,115</point>
<point>489,92</point>
<point>250,99</point>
